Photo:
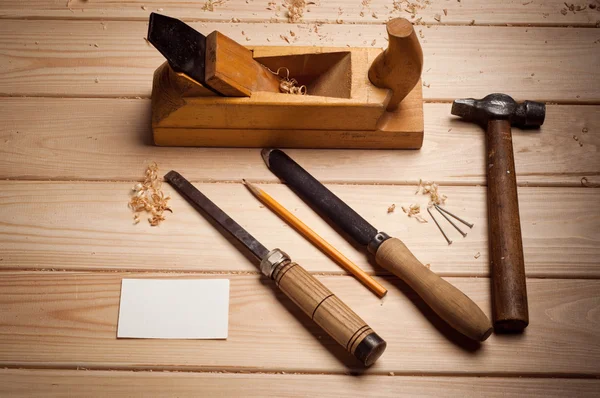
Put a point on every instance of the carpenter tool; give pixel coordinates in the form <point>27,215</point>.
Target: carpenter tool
<point>439,227</point>
<point>322,306</point>
<point>341,108</point>
<point>316,240</point>
<point>447,301</point>
<point>215,61</point>
<point>497,112</point>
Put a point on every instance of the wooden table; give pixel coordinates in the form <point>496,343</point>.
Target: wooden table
<point>75,80</point>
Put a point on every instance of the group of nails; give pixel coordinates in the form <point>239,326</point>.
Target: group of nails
<point>446,213</point>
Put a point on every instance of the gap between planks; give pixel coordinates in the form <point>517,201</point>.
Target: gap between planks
<point>100,97</point>
<point>273,372</point>
<point>478,12</point>
<point>180,384</point>
<point>382,275</point>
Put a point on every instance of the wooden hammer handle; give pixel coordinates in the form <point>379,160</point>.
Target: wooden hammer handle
<point>329,312</point>
<point>509,291</point>
<point>448,302</point>
<point>399,66</point>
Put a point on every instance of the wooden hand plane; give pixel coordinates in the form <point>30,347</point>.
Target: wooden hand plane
<point>215,92</point>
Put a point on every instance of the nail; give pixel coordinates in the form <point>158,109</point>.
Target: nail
<point>468,224</point>
<point>438,225</point>
<point>450,221</point>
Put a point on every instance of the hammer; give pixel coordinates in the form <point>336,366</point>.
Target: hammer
<point>498,112</point>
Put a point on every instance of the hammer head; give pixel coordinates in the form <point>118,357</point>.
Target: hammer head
<point>500,107</point>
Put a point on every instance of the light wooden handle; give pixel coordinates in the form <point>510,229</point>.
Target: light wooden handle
<point>329,312</point>
<point>399,66</point>
<point>448,302</point>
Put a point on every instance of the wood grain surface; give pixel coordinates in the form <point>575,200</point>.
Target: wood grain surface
<point>83,137</point>
<point>508,12</point>
<point>59,383</point>
<point>65,66</point>
<point>82,59</point>
<point>69,320</point>
<point>87,226</point>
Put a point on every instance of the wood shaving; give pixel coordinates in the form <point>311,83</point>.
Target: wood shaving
<point>210,4</point>
<point>431,189</point>
<point>445,12</point>
<point>284,38</point>
<point>148,197</point>
<point>391,208</point>
<point>584,182</point>
<point>584,130</point>
<point>477,255</point>
<point>574,8</point>
<point>287,85</point>
<point>295,9</point>
<point>235,20</point>
<point>472,22</point>
<point>437,17</point>
<point>413,211</point>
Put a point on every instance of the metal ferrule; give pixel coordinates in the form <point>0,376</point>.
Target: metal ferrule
<point>272,260</point>
<point>377,240</point>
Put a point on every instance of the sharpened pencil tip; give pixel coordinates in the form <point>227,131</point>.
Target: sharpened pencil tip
<point>251,187</point>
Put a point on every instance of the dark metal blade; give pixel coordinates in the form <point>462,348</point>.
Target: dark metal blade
<point>206,206</point>
<point>313,192</point>
<point>180,44</point>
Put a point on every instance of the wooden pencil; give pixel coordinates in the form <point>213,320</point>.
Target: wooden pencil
<point>316,240</point>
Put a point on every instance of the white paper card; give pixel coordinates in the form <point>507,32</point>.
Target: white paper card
<point>174,309</point>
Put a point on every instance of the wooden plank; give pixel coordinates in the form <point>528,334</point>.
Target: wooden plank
<point>537,12</point>
<point>83,137</point>
<point>81,58</point>
<point>87,226</point>
<point>68,320</point>
<point>60,383</point>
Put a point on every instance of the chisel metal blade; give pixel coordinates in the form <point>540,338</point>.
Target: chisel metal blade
<point>205,205</point>
<point>182,46</point>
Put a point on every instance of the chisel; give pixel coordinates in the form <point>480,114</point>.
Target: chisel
<point>458,310</point>
<point>322,306</point>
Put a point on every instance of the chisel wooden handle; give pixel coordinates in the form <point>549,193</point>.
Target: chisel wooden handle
<point>448,302</point>
<point>509,290</point>
<point>329,312</point>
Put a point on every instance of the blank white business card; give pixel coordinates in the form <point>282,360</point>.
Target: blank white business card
<point>174,309</point>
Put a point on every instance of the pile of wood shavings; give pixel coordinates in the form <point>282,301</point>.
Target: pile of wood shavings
<point>431,189</point>
<point>413,211</point>
<point>210,4</point>
<point>287,85</point>
<point>295,9</point>
<point>148,196</point>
